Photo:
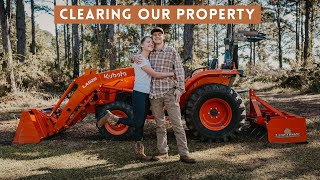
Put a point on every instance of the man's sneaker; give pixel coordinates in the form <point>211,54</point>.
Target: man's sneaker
<point>110,118</point>
<point>187,159</point>
<point>161,156</point>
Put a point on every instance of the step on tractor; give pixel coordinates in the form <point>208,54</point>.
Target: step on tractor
<point>212,109</point>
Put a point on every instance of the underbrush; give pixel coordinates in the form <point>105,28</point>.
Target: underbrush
<point>305,79</point>
<point>37,73</point>
<point>21,100</point>
<point>264,77</point>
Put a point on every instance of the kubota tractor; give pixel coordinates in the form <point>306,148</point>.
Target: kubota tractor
<point>213,110</point>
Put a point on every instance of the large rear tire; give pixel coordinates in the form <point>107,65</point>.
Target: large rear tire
<point>119,132</point>
<point>214,112</point>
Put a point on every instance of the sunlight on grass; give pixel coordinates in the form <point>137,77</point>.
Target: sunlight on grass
<point>9,167</point>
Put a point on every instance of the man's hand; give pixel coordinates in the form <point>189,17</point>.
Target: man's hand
<point>178,94</point>
<point>138,58</point>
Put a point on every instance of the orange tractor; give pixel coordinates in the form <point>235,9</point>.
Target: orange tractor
<point>213,110</point>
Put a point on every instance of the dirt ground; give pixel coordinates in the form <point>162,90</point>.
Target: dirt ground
<point>81,153</point>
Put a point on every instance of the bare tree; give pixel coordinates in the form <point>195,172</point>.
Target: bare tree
<point>21,30</point>
<point>65,41</point>
<point>306,53</point>
<point>68,41</point>
<point>102,40</point>
<point>188,37</point>
<point>112,52</point>
<point>278,11</point>
<point>297,30</point>
<point>142,25</point>
<point>33,29</point>
<point>75,46</point>
<point>7,47</point>
<point>9,13</point>
<point>57,41</point>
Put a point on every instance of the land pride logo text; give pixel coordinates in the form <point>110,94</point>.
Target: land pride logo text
<point>114,75</point>
<point>287,133</point>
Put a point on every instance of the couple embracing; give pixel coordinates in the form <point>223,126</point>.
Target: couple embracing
<point>159,80</point>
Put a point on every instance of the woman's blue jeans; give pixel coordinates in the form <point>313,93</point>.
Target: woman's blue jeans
<point>141,106</point>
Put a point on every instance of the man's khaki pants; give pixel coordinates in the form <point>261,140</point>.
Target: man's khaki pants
<point>174,113</point>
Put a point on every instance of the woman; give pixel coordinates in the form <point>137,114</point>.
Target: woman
<point>140,98</point>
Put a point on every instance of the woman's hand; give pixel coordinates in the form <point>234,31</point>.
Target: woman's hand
<point>138,58</point>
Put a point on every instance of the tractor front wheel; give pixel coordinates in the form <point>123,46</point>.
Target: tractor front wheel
<point>118,132</point>
<point>214,112</point>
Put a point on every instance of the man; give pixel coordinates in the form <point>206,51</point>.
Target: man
<point>167,92</point>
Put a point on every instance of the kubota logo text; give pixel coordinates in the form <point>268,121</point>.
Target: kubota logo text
<point>89,82</point>
<point>287,133</point>
<point>115,75</point>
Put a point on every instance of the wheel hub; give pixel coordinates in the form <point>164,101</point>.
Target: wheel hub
<point>215,114</point>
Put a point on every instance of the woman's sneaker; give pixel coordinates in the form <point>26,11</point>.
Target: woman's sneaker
<point>110,118</point>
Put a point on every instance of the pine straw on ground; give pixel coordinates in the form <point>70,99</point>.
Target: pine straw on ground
<point>80,152</point>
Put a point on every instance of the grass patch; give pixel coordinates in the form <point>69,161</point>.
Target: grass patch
<point>81,153</point>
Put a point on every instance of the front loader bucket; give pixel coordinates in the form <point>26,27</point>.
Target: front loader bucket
<point>282,127</point>
<point>31,128</point>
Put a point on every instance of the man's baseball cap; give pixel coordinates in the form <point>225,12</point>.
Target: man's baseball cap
<point>157,29</point>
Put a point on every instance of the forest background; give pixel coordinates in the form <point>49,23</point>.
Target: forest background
<point>41,60</point>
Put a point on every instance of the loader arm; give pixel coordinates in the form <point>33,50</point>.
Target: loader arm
<point>37,124</point>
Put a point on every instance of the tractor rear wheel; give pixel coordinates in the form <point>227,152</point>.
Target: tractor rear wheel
<point>214,112</point>
<point>118,132</point>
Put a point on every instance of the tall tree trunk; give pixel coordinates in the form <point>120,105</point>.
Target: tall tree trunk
<point>142,25</point>
<point>7,47</point>
<point>217,42</point>
<point>21,30</point>
<point>75,46</point>
<point>188,37</point>
<point>178,34</point>
<point>198,40</point>
<point>102,41</point>
<point>81,58</point>
<point>9,13</point>
<point>65,41</point>
<point>68,41</point>
<point>188,41</point>
<point>208,49</point>
<point>279,36</point>
<point>112,52</point>
<point>306,53</point>
<point>302,32</point>
<point>68,45</point>
<point>119,43</point>
<point>297,31</point>
<point>33,29</point>
<point>57,41</point>
<point>312,27</point>
<point>250,57</point>
<point>254,54</point>
<point>82,42</point>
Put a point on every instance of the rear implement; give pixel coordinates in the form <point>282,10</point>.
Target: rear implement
<point>282,127</point>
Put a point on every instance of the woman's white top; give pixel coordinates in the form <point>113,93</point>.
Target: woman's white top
<point>142,80</point>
